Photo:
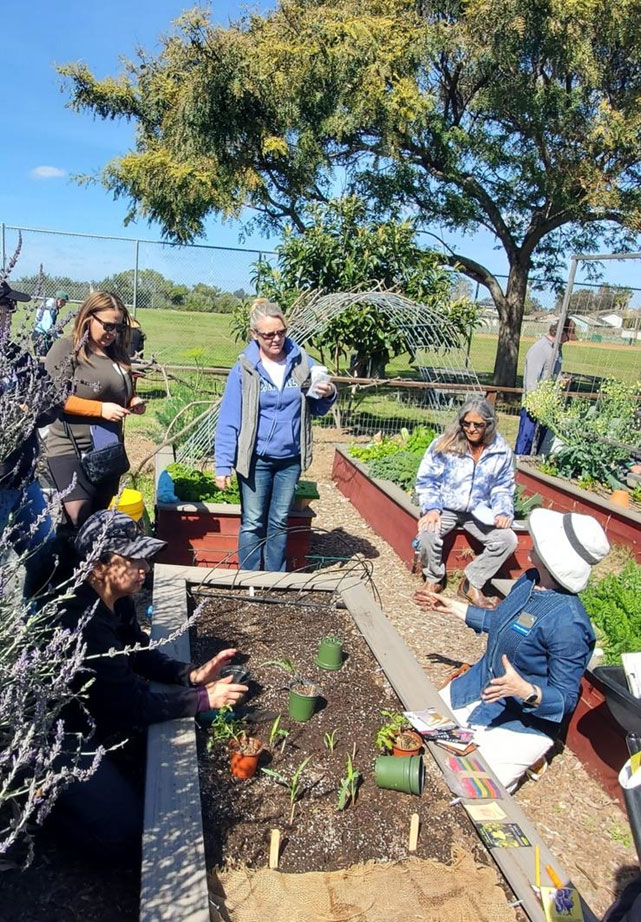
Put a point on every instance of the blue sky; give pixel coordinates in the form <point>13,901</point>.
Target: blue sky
<point>49,143</point>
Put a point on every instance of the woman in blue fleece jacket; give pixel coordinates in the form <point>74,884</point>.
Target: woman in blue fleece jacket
<point>265,432</point>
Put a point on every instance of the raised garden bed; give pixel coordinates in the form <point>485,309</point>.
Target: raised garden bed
<point>393,516</point>
<point>174,870</point>
<point>206,534</point>
<point>621,525</point>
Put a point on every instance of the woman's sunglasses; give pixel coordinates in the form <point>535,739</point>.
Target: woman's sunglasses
<point>472,425</point>
<point>110,327</point>
<point>271,336</point>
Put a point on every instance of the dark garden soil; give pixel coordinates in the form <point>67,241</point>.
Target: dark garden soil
<point>239,815</point>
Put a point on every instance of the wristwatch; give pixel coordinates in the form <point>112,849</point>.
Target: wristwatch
<point>532,699</point>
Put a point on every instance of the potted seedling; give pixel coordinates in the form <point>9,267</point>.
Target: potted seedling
<point>245,751</point>
<point>292,784</point>
<point>303,696</point>
<point>397,737</point>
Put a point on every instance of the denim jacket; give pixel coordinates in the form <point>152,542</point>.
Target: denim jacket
<point>548,638</point>
<point>450,481</point>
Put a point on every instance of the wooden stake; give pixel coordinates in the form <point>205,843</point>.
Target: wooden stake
<point>413,832</point>
<point>274,848</point>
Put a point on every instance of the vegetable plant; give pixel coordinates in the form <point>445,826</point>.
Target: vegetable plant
<point>285,664</point>
<point>225,727</point>
<point>349,784</point>
<point>278,733</point>
<point>614,606</point>
<point>524,504</point>
<point>329,739</point>
<point>192,485</point>
<point>388,733</point>
<point>292,784</point>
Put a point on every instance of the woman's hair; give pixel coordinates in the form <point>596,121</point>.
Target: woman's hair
<point>96,302</point>
<point>454,439</point>
<point>264,308</point>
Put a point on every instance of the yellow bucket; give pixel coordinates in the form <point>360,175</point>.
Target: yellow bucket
<point>131,503</point>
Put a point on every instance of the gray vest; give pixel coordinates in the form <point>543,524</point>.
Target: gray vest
<point>249,413</point>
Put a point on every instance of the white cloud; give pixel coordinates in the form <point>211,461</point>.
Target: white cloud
<point>47,172</point>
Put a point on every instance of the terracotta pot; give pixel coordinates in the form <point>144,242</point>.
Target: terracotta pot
<point>620,498</point>
<point>408,743</point>
<point>244,765</point>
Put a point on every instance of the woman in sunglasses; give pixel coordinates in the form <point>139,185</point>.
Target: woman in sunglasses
<point>466,478</point>
<point>265,433</point>
<point>96,362</point>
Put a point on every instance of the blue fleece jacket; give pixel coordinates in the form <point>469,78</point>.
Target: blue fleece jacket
<point>279,413</point>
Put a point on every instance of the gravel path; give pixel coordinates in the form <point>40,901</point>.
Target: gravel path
<point>578,820</point>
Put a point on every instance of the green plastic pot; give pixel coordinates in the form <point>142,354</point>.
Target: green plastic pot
<point>330,653</point>
<point>301,707</point>
<point>400,773</point>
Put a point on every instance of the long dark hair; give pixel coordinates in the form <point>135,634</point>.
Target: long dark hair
<point>119,348</point>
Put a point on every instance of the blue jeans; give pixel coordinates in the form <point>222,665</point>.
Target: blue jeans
<point>265,498</point>
<point>527,432</point>
<point>27,509</point>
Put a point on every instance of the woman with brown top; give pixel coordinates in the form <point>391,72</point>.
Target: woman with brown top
<point>96,361</point>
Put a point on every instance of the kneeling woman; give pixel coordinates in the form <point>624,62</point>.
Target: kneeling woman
<point>466,478</point>
<point>517,697</point>
<point>265,433</point>
<point>104,813</point>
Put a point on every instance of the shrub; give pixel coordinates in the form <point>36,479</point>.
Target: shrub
<point>614,605</point>
<point>396,459</point>
<point>192,485</point>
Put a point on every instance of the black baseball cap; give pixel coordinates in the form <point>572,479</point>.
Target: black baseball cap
<point>7,293</point>
<point>115,533</point>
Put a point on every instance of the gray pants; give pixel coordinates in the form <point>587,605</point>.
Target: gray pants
<point>498,543</point>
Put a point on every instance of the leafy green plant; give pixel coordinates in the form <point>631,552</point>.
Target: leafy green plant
<point>387,733</point>
<point>635,493</point>
<point>285,664</point>
<point>401,468</point>
<point>348,788</point>
<point>192,485</point>
<point>524,504</point>
<point>614,606</point>
<point>225,727</point>
<point>277,733</point>
<point>329,739</point>
<point>292,784</point>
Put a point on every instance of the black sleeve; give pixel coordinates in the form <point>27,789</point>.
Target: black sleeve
<point>150,664</point>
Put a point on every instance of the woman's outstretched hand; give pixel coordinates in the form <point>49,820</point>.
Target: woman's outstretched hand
<point>210,671</point>
<point>225,692</point>
<point>431,521</point>
<point>430,601</point>
<point>510,685</point>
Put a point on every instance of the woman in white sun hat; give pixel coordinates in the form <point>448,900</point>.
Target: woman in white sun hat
<point>518,695</point>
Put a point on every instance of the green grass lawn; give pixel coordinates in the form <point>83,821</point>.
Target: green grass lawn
<point>182,338</point>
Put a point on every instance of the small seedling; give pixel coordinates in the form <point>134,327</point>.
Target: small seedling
<point>276,732</point>
<point>285,664</point>
<point>225,727</point>
<point>292,784</point>
<point>349,784</point>
<point>330,740</point>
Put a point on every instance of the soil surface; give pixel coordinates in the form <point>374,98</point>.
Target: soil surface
<point>239,816</point>
<point>578,820</point>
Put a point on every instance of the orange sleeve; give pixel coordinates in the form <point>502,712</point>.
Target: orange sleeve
<point>80,406</point>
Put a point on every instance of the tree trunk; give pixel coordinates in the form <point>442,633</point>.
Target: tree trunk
<point>511,318</point>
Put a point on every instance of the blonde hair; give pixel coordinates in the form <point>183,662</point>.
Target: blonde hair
<point>264,308</point>
<point>101,301</point>
<point>454,441</point>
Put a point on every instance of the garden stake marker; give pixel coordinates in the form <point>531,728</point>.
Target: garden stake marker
<point>413,833</point>
<point>274,848</point>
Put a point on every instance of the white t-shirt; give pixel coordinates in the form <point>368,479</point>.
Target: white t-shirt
<point>276,371</point>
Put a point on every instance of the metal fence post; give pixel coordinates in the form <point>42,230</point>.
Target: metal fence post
<point>135,297</point>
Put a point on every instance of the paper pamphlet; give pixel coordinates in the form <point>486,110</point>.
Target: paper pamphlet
<point>485,813</point>
<point>468,779</point>
<point>502,835</point>
<point>428,719</point>
<point>561,905</point>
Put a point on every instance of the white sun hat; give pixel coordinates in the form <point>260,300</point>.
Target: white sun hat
<point>568,544</point>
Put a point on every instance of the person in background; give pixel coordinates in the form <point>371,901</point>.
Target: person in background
<point>466,478</point>
<point>265,432</point>
<point>539,367</point>
<point>105,812</point>
<point>137,339</point>
<point>46,318</point>
<point>539,642</point>
<point>96,361</point>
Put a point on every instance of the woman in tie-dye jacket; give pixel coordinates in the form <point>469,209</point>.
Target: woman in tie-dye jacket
<point>466,479</point>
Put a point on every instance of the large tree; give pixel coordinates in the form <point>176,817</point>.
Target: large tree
<point>519,116</point>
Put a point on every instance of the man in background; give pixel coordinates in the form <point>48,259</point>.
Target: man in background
<point>539,366</point>
<point>44,331</point>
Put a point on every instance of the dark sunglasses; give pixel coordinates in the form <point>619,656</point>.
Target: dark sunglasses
<point>269,336</point>
<point>471,425</point>
<point>110,327</point>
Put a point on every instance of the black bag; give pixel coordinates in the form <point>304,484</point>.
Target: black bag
<point>102,463</point>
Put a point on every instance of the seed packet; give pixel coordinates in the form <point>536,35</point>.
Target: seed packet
<point>428,719</point>
<point>485,813</point>
<point>502,835</point>
<point>562,905</point>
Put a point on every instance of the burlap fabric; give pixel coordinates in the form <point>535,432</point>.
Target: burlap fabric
<point>374,892</point>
